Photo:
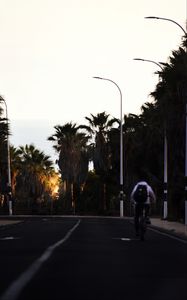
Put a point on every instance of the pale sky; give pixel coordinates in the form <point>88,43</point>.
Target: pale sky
<point>50,49</point>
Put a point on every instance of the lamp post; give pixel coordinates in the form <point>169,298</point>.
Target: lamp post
<point>185,33</point>
<point>166,19</point>
<point>121,194</point>
<point>165,203</point>
<point>9,188</point>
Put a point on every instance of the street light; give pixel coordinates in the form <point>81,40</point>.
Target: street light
<point>9,189</point>
<point>121,145</point>
<point>165,208</point>
<point>151,61</point>
<point>166,19</point>
<point>185,33</point>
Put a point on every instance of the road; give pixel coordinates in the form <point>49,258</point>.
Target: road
<point>88,259</point>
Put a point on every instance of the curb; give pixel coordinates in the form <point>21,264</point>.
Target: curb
<point>171,232</point>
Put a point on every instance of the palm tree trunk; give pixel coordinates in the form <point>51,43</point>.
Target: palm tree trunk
<point>104,197</point>
<point>72,198</point>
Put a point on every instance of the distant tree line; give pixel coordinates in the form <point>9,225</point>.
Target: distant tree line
<point>34,181</point>
<point>95,190</point>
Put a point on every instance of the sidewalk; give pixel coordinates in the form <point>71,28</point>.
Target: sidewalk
<point>173,227</point>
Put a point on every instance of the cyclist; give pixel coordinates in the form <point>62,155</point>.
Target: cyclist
<point>144,199</point>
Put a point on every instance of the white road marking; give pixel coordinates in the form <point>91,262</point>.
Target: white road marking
<point>7,238</point>
<point>17,286</point>
<point>123,239</point>
<point>169,235</point>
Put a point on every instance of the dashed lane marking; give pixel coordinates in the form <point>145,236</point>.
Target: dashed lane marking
<point>8,238</point>
<point>125,239</point>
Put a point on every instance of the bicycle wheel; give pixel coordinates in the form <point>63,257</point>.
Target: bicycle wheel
<point>143,227</point>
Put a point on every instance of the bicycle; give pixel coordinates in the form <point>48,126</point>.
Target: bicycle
<point>140,220</point>
<point>142,223</point>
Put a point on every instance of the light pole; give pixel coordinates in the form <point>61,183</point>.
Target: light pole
<point>165,203</point>
<point>121,145</point>
<point>185,33</point>
<point>166,19</point>
<point>9,188</point>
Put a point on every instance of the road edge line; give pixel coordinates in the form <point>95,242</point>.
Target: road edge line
<point>168,234</point>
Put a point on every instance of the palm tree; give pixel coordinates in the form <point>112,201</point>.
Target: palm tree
<point>3,153</point>
<point>71,144</point>
<point>98,127</point>
<point>15,166</point>
<point>143,146</point>
<point>33,175</point>
<point>170,96</point>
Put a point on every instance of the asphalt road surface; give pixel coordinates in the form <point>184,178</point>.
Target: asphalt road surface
<point>89,259</point>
